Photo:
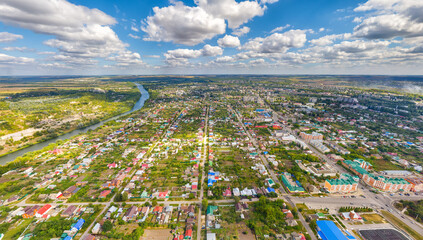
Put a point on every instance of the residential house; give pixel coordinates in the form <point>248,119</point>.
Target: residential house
<point>130,213</point>
<point>69,211</point>
<point>43,211</point>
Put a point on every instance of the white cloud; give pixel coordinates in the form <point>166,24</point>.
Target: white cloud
<point>351,51</point>
<point>9,37</point>
<point>236,13</point>
<point>277,42</point>
<point>20,49</point>
<point>134,28</point>
<point>224,59</point>
<point>268,1</point>
<point>46,53</point>
<point>207,50</point>
<point>134,36</point>
<point>191,25</point>
<point>55,65</point>
<point>182,24</point>
<point>241,31</point>
<point>229,41</point>
<point>280,29</point>
<point>82,34</point>
<point>126,58</point>
<point>7,59</point>
<point>211,50</point>
<point>178,57</point>
<point>326,40</point>
<point>390,19</point>
<point>151,56</point>
<point>257,61</point>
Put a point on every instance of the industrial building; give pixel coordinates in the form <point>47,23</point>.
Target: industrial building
<point>327,230</point>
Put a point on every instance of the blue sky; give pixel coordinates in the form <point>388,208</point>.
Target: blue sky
<point>211,37</point>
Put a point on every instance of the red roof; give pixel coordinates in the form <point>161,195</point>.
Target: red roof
<point>44,209</point>
<point>163,194</point>
<point>188,233</point>
<point>105,193</point>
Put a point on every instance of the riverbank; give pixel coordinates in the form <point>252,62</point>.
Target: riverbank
<point>11,156</point>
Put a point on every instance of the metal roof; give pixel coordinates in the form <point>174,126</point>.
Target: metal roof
<point>329,231</point>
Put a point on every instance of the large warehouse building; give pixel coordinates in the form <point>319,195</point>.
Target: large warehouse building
<point>327,230</point>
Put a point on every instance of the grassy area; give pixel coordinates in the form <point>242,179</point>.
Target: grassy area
<point>397,222</point>
<point>381,164</point>
<point>372,218</point>
<point>15,231</point>
<point>302,205</point>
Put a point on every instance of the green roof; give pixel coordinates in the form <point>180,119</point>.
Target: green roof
<point>211,209</point>
<point>290,187</point>
<point>356,167</point>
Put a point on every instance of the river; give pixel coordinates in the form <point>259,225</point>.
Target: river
<point>138,105</point>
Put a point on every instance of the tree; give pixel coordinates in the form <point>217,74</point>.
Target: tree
<point>154,202</point>
<point>204,204</point>
<point>107,226</point>
<point>124,196</point>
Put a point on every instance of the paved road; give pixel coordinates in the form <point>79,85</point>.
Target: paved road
<point>273,175</point>
<point>203,175</point>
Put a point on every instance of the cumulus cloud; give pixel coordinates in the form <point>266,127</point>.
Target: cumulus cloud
<point>241,31</point>
<point>191,25</point>
<point>224,59</point>
<point>20,49</point>
<point>277,42</point>
<point>236,13</point>
<point>82,34</point>
<point>211,50</point>
<point>126,58</point>
<point>7,59</point>
<point>229,41</point>
<point>352,51</point>
<point>326,40</point>
<point>207,50</point>
<point>181,56</point>
<point>390,19</point>
<point>9,37</point>
<point>182,24</point>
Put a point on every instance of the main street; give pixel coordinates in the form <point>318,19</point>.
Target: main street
<point>203,175</point>
<point>272,174</point>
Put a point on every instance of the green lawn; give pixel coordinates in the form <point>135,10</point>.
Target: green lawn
<point>16,230</point>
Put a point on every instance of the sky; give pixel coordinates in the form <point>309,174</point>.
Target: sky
<point>111,37</point>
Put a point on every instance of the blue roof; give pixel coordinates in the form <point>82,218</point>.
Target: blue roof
<point>269,189</point>
<point>79,224</point>
<point>329,231</point>
<point>68,238</point>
